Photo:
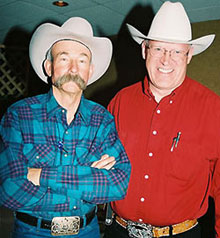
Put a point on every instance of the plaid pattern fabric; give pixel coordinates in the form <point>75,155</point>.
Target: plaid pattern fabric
<point>35,134</point>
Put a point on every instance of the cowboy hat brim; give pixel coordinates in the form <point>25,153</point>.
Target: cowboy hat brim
<point>48,34</point>
<point>199,45</point>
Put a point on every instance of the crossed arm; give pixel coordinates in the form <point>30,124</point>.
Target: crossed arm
<point>106,162</point>
<point>65,184</point>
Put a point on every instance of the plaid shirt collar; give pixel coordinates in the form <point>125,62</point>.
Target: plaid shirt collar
<point>53,108</point>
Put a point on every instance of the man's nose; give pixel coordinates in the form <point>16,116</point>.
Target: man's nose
<point>73,67</point>
<point>166,56</point>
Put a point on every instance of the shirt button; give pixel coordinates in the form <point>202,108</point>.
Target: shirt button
<point>146,176</point>
<point>154,132</point>
<point>171,101</point>
<point>37,157</point>
<point>67,132</point>
<point>142,199</point>
<point>63,111</point>
<point>140,220</point>
<point>150,154</point>
<point>158,111</point>
<point>74,207</point>
<point>65,155</point>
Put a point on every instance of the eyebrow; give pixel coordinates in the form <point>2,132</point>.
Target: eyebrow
<point>67,53</point>
<point>158,45</point>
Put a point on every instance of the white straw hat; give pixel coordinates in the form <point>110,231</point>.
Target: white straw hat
<point>171,24</point>
<point>74,28</point>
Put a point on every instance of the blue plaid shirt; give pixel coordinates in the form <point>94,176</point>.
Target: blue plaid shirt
<point>35,134</point>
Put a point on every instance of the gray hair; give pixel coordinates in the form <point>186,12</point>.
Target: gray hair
<point>49,55</point>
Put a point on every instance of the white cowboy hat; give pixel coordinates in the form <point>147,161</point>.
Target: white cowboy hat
<point>75,28</point>
<point>171,24</point>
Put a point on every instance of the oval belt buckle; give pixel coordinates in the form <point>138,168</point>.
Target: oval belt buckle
<point>61,226</point>
<point>139,230</point>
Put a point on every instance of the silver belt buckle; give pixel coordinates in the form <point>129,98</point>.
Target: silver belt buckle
<point>61,226</point>
<point>139,230</point>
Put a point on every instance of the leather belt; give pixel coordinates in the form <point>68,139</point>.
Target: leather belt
<point>46,224</point>
<point>164,231</point>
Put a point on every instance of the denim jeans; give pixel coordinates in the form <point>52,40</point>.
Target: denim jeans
<point>23,230</point>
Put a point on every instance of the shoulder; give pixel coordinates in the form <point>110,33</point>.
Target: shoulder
<point>132,89</point>
<point>202,99</point>
<point>198,90</point>
<point>128,93</point>
<point>27,104</point>
<point>97,110</point>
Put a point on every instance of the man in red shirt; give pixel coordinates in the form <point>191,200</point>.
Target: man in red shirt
<point>169,125</point>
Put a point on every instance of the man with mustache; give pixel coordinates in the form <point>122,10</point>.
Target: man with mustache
<point>60,153</point>
<point>67,78</point>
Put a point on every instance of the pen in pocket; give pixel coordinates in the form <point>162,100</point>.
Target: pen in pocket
<point>175,141</point>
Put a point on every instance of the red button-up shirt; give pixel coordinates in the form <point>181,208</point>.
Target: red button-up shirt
<point>171,175</point>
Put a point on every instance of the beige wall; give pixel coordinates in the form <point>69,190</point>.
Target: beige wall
<point>205,67</point>
<point>127,67</point>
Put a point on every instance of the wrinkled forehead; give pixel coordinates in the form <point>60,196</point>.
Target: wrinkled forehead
<point>64,43</point>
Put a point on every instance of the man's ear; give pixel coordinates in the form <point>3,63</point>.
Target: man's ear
<point>143,49</point>
<point>91,70</point>
<point>48,67</point>
<point>190,54</point>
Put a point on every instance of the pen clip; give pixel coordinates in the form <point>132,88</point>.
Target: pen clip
<point>61,146</point>
<point>175,141</point>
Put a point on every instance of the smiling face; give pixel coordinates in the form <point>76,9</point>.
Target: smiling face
<point>166,72</point>
<point>69,58</point>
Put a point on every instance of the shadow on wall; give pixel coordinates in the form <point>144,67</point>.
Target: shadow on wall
<point>18,38</point>
<point>18,74</point>
<point>127,59</point>
<point>127,66</point>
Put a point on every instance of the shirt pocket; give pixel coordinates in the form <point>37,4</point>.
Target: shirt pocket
<point>40,155</point>
<point>188,161</point>
<point>83,156</point>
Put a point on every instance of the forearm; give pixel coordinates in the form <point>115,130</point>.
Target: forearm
<point>92,184</point>
<point>15,190</point>
<point>20,193</point>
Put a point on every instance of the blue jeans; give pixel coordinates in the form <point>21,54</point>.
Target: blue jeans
<point>23,230</point>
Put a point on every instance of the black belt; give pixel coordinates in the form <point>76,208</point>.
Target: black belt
<point>46,224</point>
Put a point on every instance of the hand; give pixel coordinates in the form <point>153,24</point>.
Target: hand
<point>34,175</point>
<point>106,162</point>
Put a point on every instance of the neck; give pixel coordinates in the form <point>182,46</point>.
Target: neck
<point>159,94</point>
<point>69,101</point>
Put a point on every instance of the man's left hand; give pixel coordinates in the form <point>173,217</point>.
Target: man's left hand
<point>106,162</point>
<point>34,175</point>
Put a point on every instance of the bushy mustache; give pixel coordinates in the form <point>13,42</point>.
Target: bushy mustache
<point>68,78</point>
